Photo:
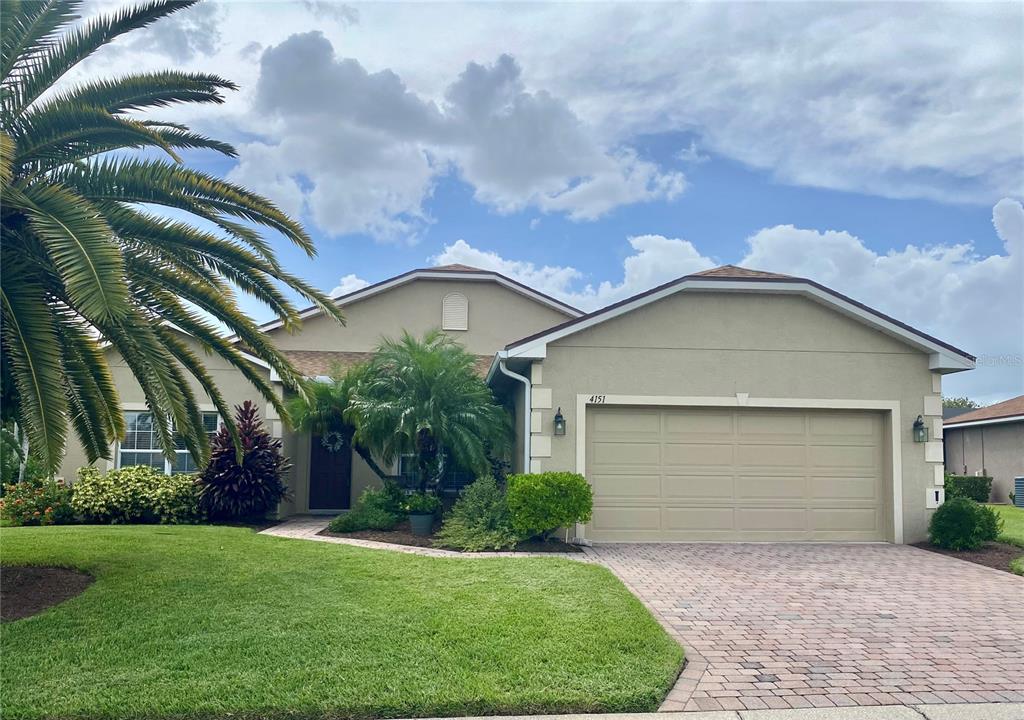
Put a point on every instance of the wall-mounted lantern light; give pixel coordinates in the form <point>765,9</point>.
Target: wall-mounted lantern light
<point>920,430</point>
<point>559,422</point>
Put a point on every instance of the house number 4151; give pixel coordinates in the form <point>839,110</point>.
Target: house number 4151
<point>596,399</point>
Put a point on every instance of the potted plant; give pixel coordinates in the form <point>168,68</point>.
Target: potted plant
<point>421,508</point>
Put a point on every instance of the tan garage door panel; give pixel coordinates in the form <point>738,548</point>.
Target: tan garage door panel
<point>692,474</point>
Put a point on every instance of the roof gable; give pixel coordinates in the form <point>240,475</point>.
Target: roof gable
<point>730,278</point>
<point>443,272</point>
<point>1005,411</point>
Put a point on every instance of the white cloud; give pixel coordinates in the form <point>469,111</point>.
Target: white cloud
<point>951,292</point>
<point>364,151</point>
<point>349,284</point>
<point>692,155</point>
<point>904,100</point>
<point>657,259</point>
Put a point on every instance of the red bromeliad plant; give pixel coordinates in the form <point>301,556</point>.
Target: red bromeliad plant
<point>231,489</point>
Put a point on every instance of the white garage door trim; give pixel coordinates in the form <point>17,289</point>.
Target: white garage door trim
<point>742,400</point>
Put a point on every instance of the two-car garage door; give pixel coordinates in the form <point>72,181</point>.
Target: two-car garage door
<point>685,474</point>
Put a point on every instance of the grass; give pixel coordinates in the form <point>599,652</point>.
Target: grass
<point>202,622</point>
<point>1013,531</point>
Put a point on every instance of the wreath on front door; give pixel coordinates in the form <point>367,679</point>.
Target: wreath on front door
<point>333,441</point>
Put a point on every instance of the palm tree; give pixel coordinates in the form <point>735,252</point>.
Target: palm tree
<point>86,263</point>
<point>422,396</point>
<point>325,407</point>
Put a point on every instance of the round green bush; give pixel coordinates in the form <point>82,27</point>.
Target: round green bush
<point>541,503</point>
<point>480,520</point>
<point>375,510</point>
<point>963,524</point>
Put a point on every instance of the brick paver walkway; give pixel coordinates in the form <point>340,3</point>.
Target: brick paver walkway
<point>788,626</point>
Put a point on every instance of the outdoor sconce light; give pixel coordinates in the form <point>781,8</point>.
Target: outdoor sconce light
<point>920,430</point>
<point>559,422</point>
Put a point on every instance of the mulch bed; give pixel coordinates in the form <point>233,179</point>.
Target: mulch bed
<point>402,535</point>
<point>993,554</point>
<point>26,591</point>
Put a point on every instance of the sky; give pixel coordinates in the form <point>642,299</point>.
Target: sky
<point>594,150</point>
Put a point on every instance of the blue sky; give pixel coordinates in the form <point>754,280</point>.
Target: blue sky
<point>594,150</point>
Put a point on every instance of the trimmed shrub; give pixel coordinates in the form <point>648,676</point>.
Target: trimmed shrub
<point>375,510</point>
<point>963,524</point>
<point>37,503</point>
<point>976,487</point>
<point>135,494</point>
<point>480,520</point>
<point>246,490</point>
<point>543,502</point>
<point>420,503</point>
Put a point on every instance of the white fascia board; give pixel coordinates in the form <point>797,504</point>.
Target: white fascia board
<point>386,285</point>
<point>976,423</point>
<point>941,359</point>
<point>493,369</point>
<point>255,360</point>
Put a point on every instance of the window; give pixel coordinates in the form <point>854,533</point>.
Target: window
<point>455,312</point>
<point>142,447</point>
<point>452,479</point>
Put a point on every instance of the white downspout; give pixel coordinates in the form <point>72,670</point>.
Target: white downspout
<point>527,407</point>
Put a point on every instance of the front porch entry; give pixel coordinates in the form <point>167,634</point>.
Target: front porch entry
<point>330,474</point>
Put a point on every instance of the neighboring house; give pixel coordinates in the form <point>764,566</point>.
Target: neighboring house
<point>988,441</point>
<point>725,405</point>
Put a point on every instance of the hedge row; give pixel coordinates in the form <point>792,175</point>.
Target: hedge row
<point>974,487</point>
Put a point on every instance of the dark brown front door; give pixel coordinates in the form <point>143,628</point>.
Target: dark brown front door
<point>330,475</point>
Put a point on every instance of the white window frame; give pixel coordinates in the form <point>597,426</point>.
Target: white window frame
<point>168,468</point>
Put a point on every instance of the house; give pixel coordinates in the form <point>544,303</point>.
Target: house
<point>988,441</point>
<point>726,405</point>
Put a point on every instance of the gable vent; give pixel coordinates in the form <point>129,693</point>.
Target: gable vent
<point>455,312</point>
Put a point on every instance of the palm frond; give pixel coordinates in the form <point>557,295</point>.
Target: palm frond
<point>33,351</point>
<point>81,246</point>
<point>29,26</point>
<point>67,133</point>
<point>143,91</point>
<point>55,59</point>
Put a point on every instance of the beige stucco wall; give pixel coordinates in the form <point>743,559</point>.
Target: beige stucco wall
<point>497,316</point>
<point>718,344</point>
<point>232,384</point>
<point>993,450</point>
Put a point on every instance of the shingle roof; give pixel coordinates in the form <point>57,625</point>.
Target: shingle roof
<point>459,267</point>
<point>1008,408</point>
<point>319,363</point>
<point>736,271</point>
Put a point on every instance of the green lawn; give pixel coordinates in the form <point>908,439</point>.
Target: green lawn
<point>1013,531</point>
<point>216,622</point>
<point>1013,523</point>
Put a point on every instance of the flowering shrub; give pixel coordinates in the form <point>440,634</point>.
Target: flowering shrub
<point>37,503</point>
<point>137,494</point>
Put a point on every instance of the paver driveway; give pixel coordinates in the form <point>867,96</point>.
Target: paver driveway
<point>821,625</point>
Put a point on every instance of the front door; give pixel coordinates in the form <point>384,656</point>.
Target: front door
<point>330,473</point>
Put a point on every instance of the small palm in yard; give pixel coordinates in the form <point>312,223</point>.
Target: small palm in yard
<point>422,396</point>
<point>325,408</point>
<point>83,258</point>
